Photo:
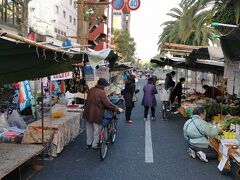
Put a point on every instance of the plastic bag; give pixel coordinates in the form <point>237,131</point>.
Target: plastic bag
<point>3,120</point>
<point>58,111</point>
<point>15,120</point>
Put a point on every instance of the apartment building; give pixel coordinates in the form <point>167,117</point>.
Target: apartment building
<point>53,18</point>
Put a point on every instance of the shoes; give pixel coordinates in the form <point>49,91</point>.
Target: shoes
<point>129,121</point>
<point>145,119</point>
<point>88,146</point>
<point>153,118</point>
<point>191,153</point>
<point>202,156</point>
<point>95,148</point>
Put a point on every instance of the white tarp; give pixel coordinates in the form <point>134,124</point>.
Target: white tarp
<point>215,53</point>
<point>101,54</point>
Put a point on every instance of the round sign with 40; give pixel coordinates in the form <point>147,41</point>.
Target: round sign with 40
<point>133,4</point>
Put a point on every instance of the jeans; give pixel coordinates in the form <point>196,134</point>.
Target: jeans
<point>128,113</point>
<point>210,152</point>
<point>146,108</point>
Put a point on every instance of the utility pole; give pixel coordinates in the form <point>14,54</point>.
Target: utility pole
<point>80,22</point>
<point>81,34</point>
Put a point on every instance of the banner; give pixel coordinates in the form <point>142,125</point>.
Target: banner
<point>25,95</point>
<point>62,76</point>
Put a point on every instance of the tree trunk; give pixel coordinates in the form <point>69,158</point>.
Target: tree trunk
<point>23,23</point>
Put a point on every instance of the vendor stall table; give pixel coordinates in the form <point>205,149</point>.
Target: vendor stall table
<point>59,131</point>
<point>12,156</point>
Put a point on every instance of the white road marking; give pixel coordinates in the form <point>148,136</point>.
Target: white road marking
<point>148,142</point>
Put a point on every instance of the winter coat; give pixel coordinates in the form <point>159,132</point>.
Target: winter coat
<point>197,131</point>
<point>177,91</point>
<point>169,83</point>
<point>97,102</point>
<point>128,93</point>
<point>149,95</point>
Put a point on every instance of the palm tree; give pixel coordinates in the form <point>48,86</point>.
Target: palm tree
<point>190,25</point>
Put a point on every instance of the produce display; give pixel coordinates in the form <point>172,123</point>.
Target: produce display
<point>226,123</point>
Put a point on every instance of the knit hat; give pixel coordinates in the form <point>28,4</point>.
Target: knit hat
<point>102,82</point>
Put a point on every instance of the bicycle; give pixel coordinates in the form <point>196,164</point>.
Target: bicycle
<point>166,103</point>
<point>107,134</point>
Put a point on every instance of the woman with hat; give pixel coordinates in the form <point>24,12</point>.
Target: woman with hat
<point>97,102</point>
<point>149,100</point>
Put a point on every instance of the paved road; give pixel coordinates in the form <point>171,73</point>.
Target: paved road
<point>126,158</point>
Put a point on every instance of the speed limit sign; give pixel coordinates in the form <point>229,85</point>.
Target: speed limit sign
<point>133,4</point>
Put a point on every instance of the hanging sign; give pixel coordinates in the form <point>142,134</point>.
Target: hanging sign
<point>102,72</point>
<point>62,76</point>
<point>117,4</point>
<point>25,95</point>
<point>133,4</point>
<point>88,73</point>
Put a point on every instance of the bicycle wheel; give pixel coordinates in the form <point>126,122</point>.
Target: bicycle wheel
<point>113,130</point>
<point>103,143</point>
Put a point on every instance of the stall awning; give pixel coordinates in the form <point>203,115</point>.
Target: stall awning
<point>20,61</point>
<point>231,45</point>
<point>198,65</point>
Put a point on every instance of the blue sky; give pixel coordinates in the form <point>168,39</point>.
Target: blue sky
<point>146,25</point>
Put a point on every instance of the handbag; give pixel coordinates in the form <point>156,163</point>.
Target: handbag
<point>134,98</point>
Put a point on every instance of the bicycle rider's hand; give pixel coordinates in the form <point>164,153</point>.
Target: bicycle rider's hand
<point>120,110</point>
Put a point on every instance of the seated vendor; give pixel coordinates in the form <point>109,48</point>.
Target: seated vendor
<point>212,92</point>
<point>196,131</point>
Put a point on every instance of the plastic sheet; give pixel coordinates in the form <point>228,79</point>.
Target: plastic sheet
<point>15,120</point>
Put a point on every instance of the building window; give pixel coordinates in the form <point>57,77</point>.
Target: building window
<point>64,33</point>
<point>64,14</point>
<point>74,21</point>
<point>55,30</point>
<point>59,31</point>
<point>70,18</point>
<point>56,9</point>
<point>70,2</point>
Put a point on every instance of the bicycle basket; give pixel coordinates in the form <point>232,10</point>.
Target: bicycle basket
<point>164,96</point>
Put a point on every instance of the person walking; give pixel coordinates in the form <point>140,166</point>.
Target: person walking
<point>97,103</point>
<point>149,100</point>
<point>169,83</point>
<point>128,93</point>
<point>177,91</point>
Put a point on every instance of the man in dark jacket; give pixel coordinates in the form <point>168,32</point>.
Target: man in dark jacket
<point>169,83</point>
<point>97,102</point>
<point>177,91</point>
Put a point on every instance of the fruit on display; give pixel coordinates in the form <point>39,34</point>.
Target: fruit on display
<point>226,123</point>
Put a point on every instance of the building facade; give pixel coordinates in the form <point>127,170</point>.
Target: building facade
<point>53,18</point>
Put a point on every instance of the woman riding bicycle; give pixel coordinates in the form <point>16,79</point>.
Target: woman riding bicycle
<point>97,102</point>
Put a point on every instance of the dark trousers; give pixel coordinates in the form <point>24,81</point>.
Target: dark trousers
<point>210,152</point>
<point>172,98</point>
<point>128,113</point>
<point>146,108</point>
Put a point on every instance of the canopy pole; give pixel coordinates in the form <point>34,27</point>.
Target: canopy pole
<point>50,94</point>
<point>42,118</point>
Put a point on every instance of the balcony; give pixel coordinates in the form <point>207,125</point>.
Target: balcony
<point>101,29</point>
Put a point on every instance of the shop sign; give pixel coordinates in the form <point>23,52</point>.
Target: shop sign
<point>62,76</point>
<point>103,72</point>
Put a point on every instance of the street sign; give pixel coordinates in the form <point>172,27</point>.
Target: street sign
<point>117,4</point>
<point>133,4</point>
